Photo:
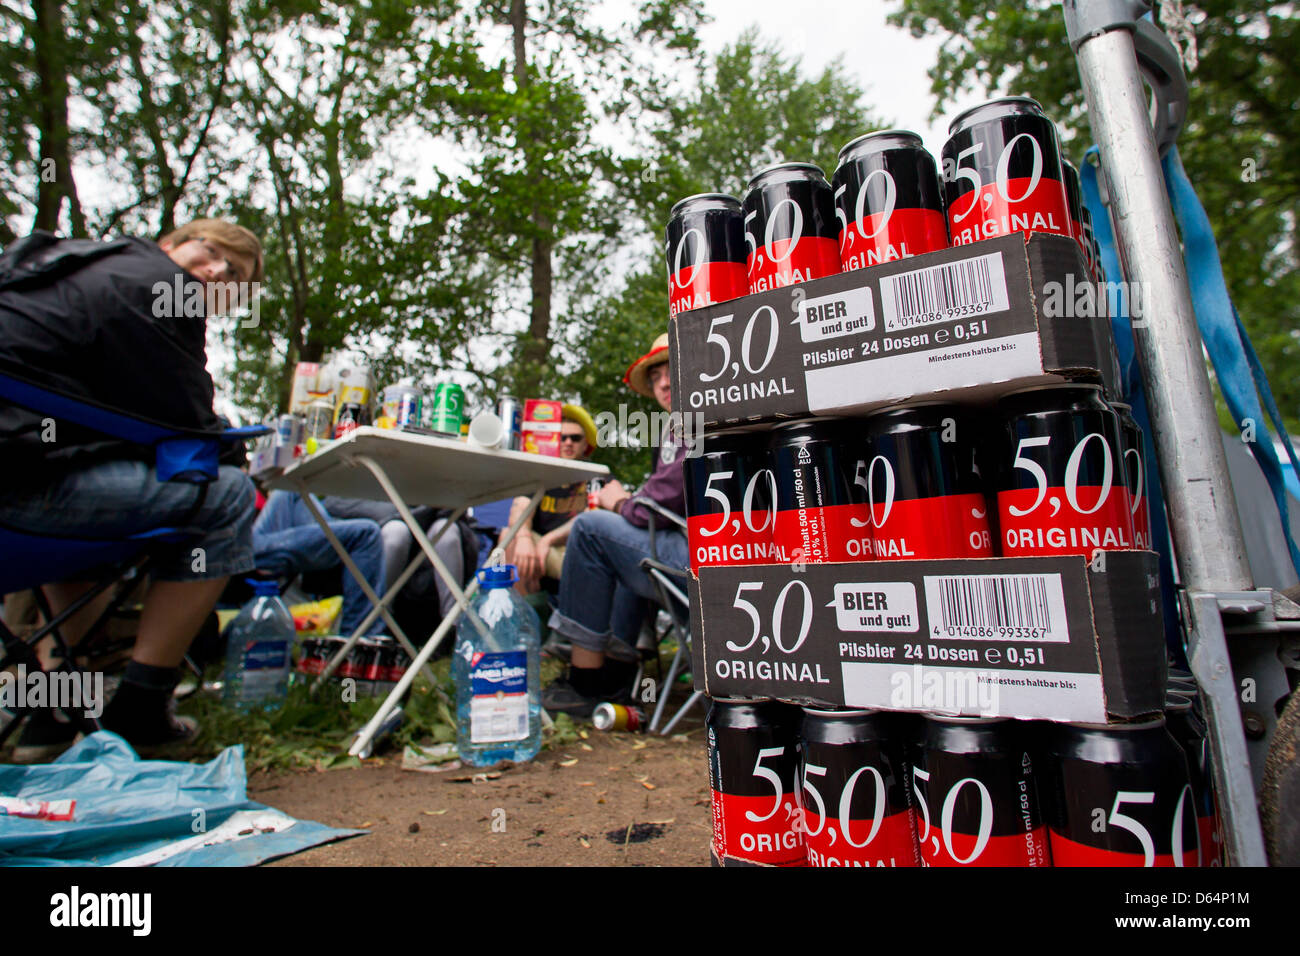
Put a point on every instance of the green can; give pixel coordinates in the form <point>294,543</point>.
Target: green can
<point>446,410</point>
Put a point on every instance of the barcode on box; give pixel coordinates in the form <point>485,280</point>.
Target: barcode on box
<point>996,607</point>
<point>969,288</point>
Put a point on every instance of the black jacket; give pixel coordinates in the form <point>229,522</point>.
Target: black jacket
<point>90,320</point>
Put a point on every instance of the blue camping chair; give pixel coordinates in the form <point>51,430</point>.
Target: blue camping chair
<point>29,560</point>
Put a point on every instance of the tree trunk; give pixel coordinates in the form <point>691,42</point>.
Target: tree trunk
<point>54,169</point>
<point>534,354</point>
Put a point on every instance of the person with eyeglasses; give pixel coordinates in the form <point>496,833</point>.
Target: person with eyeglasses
<point>538,548</point>
<point>604,592</point>
<point>100,321</point>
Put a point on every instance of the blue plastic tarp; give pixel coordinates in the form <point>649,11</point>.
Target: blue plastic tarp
<point>147,812</point>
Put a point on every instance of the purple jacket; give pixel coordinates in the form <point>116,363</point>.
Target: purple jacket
<point>666,484</point>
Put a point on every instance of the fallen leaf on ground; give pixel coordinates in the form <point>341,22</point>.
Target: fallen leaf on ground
<point>433,813</point>
<point>587,747</point>
<point>639,745</point>
<point>587,783</point>
<point>647,784</point>
<point>584,842</point>
<point>568,763</point>
<point>583,734</point>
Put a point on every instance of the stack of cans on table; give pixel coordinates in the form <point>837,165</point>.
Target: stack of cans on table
<point>1028,471</point>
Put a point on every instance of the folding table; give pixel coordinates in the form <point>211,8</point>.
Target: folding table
<point>406,468</point>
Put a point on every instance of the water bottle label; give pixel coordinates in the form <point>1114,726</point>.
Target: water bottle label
<point>498,708</point>
<point>266,655</point>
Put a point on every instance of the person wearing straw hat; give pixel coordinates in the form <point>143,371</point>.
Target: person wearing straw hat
<point>538,549</point>
<point>603,590</point>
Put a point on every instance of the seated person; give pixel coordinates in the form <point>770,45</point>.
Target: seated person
<point>86,318</point>
<point>288,541</point>
<point>603,590</point>
<point>538,548</point>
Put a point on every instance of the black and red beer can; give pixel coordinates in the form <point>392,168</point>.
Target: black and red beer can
<point>1122,796</point>
<point>706,251</point>
<point>852,789</point>
<point>925,493</point>
<point>977,795</point>
<point>818,518</point>
<point>1074,203</point>
<point>888,199</point>
<point>753,764</point>
<point>1188,728</point>
<point>790,227</point>
<point>1135,474</point>
<point>1060,475</point>
<point>1002,173</point>
<point>730,502</point>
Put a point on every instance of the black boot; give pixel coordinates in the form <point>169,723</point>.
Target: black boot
<point>143,710</point>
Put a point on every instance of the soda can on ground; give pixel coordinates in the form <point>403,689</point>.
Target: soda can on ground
<point>731,502</point>
<point>1188,728</point>
<point>925,494</point>
<point>706,251</point>
<point>1002,173</point>
<point>448,407</point>
<point>888,199</point>
<point>852,791</point>
<point>977,791</point>
<point>1135,474</point>
<point>790,227</point>
<point>1122,796</point>
<point>1060,474</point>
<point>753,763</point>
<point>609,716</point>
<point>818,518</point>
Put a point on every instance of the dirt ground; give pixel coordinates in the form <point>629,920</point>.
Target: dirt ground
<point>613,799</point>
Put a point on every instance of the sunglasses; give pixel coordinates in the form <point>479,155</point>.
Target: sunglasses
<point>572,438</point>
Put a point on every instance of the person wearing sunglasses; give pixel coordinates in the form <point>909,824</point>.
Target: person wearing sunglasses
<point>538,549</point>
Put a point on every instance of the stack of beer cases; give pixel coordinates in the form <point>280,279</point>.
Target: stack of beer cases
<point>923,603</point>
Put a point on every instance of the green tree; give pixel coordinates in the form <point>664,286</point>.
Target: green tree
<point>1239,146</point>
<point>753,106</point>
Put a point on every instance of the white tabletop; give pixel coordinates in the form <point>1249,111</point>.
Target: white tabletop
<point>439,472</point>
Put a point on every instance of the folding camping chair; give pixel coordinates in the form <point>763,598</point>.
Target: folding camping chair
<point>29,560</point>
<point>669,583</point>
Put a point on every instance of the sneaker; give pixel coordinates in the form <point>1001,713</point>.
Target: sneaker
<point>43,737</point>
<point>562,698</point>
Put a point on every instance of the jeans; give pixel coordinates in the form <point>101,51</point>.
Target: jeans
<point>603,590</point>
<point>288,541</point>
<point>397,553</point>
<point>119,498</point>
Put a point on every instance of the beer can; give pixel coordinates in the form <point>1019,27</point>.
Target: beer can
<point>817,517</point>
<point>852,791</point>
<point>705,246</point>
<point>351,416</point>
<point>1074,203</point>
<point>790,225</point>
<point>887,194</point>
<point>1060,475</point>
<point>618,717</point>
<point>1188,728</point>
<point>925,493</point>
<point>401,405</point>
<point>976,787</point>
<point>730,502</point>
<point>356,666</point>
<point>753,761</point>
<point>1136,775</point>
<point>1135,474</point>
<point>447,408</point>
<point>511,414</point>
<point>1002,173</point>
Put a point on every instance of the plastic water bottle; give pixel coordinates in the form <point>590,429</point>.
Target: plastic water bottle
<point>498,677</point>
<point>259,650</point>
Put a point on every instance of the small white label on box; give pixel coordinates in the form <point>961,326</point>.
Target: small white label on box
<point>828,317</point>
<point>888,607</point>
<point>996,607</point>
<point>958,290</point>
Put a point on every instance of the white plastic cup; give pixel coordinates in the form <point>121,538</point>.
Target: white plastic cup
<point>486,430</point>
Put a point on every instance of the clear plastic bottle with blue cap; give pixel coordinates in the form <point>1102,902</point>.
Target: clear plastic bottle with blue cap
<point>498,674</point>
<point>259,650</point>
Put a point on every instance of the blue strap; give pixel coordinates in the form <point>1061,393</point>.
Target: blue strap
<point>1236,366</point>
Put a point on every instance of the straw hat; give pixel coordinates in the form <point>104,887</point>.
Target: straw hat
<point>578,414</point>
<point>638,373</point>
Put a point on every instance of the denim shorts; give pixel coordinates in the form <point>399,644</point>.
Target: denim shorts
<point>116,499</point>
